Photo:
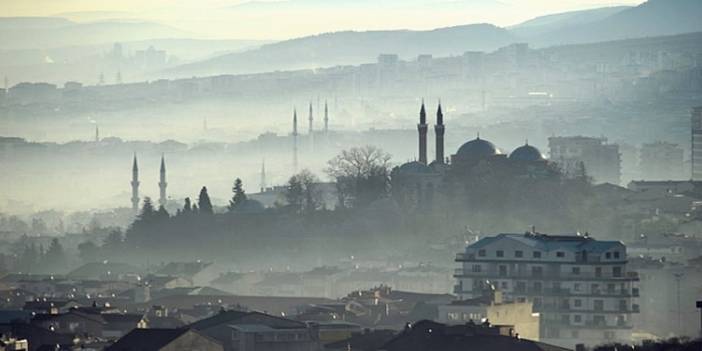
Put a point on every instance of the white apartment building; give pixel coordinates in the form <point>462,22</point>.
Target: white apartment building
<point>579,286</point>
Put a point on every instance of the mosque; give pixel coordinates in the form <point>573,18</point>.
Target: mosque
<point>419,182</point>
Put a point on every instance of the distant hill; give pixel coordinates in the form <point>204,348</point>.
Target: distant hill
<point>48,32</point>
<point>551,23</point>
<point>652,18</point>
<point>347,48</point>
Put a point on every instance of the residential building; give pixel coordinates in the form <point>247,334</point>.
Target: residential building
<point>249,331</point>
<point>579,285</point>
<point>432,336</point>
<point>696,143</point>
<point>165,340</point>
<point>602,160</point>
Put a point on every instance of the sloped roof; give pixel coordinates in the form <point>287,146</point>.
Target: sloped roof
<point>551,242</point>
<point>248,318</point>
<point>146,339</point>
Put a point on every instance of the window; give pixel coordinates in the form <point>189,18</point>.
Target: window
<point>595,289</point>
<point>576,270</point>
<point>521,287</point>
<point>574,334</point>
<point>537,254</point>
<point>565,319</point>
<point>577,318</point>
<point>477,268</point>
<point>578,303</point>
<point>537,287</point>
<point>560,254</point>
<point>622,305</point>
<point>504,285</point>
<point>617,272</point>
<point>536,271</point>
<point>598,272</point>
<point>500,253</point>
<point>519,254</point>
<point>576,287</point>
<point>610,288</point>
<point>608,255</point>
<point>503,271</point>
<point>599,305</point>
<point>481,253</point>
<point>616,254</point>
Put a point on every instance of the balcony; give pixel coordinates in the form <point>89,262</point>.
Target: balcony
<point>464,257</point>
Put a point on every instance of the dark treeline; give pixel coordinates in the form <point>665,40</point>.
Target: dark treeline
<point>377,214</point>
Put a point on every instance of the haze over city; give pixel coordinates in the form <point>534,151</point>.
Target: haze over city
<point>351,175</point>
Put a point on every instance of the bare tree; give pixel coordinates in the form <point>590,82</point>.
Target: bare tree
<point>361,174</point>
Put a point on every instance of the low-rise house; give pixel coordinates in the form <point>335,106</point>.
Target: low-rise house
<point>248,331</point>
<point>433,336</point>
<point>165,340</point>
<point>36,336</point>
<point>91,323</point>
<point>49,306</point>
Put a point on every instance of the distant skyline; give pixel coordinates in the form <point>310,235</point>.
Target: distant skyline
<point>293,18</point>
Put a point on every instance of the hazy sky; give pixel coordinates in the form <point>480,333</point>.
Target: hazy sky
<point>290,18</point>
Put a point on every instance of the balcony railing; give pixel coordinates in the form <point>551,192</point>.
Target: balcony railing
<point>631,276</point>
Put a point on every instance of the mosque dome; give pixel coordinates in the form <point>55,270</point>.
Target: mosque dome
<point>414,167</point>
<point>527,153</point>
<point>477,148</point>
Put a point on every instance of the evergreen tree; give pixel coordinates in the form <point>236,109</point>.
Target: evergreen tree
<point>203,202</point>
<point>162,215</point>
<point>55,256</point>
<point>147,211</point>
<point>239,196</point>
<point>187,208</point>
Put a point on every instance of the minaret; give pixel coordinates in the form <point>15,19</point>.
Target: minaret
<point>294,135</point>
<point>135,185</point>
<point>422,128</point>
<point>162,183</point>
<point>326,117</point>
<point>97,134</point>
<point>263,176</point>
<point>311,128</point>
<point>439,134</point>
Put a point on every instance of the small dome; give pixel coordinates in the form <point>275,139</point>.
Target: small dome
<point>526,153</point>
<point>477,148</point>
<point>414,167</point>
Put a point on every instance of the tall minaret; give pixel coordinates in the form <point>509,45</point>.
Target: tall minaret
<point>162,183</point>
<point>97,134</point>
<point>422,128</point>
<point>135,185</point>
<point>439,134</point>
<point>311,128</point>
<point>263,176</point>
<point>294,135</point>
<point>326,117</point>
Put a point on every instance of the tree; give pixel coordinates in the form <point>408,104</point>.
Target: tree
<point>361,174</point>
<point>302,193</point>
<point>203,202</point>
<point>55,256</point>
<point>147,210</point>
<point>113,241</point>
<point>238,197</point>
<point>88,251</point>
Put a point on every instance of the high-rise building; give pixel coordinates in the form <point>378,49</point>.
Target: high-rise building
<point>696,140</point>
<point>602,160</point>
<point>162,183</point>
<point>580,286</point>
<point>135,185</point>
